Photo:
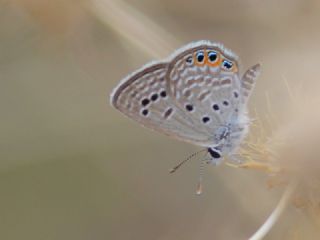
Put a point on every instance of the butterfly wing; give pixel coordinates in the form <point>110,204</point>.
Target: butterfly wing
<point>202,85</point>
<point>144,97</point>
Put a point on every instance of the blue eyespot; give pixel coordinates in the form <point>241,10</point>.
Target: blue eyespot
<point>212,56</point>
<point>227,64</point>
<point>200,57</point>
<point>189,60</point>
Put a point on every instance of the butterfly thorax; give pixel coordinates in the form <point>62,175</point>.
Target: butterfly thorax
<point>228,138</point>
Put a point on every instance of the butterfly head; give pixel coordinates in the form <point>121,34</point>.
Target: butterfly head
<point>214,153</point>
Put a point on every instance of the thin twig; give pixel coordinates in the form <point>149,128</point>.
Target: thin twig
<point>275,215</point>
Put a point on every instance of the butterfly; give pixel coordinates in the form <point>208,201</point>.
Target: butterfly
<point>197,95</point>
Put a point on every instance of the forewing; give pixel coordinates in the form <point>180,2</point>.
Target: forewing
<point>144,97</point>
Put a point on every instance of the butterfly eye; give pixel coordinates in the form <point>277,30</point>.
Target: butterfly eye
<point>200,57</point>
<point>227,64</point>
<point>214,153</point>
<point>212,56</point>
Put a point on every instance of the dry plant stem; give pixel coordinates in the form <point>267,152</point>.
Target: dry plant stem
<point>134,27</point>
<point>275,215</point>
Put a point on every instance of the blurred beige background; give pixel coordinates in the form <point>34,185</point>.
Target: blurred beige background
<point>71,167</point>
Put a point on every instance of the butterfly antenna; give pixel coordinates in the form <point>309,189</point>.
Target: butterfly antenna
<point>175,168</point>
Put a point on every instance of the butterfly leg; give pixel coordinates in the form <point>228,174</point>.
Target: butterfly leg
<point>235,159</point>
<point>201,169</point>
<point>215,161</point>
<point>201,172</point>
<point>240,162</point>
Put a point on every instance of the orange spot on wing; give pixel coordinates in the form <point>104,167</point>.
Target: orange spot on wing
<point>234,68</point>
<point>215,63</point>
<point>204,62</point>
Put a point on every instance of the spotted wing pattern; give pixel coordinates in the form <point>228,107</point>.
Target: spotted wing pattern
<point>144,97</point>
<point>191,95</point>
<point>205,83</point>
